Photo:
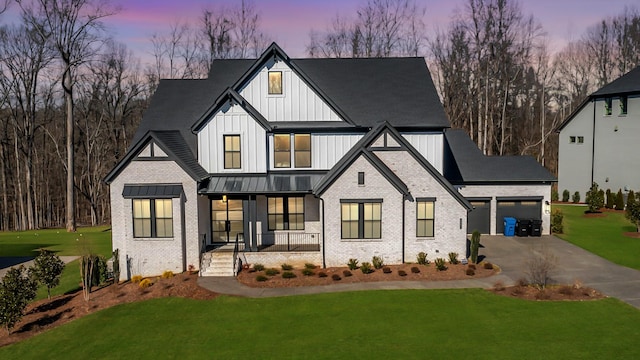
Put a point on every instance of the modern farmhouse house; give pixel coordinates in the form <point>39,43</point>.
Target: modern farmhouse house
<point>599,140</point>
<point>279,160</point>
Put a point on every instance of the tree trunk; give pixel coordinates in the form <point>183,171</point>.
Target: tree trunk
<point>71,206</point>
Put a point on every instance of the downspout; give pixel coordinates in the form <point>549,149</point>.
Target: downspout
<point>324,263</point>
<point>404,198</point>
<point>593,143</point>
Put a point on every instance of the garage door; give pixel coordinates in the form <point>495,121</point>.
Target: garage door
<point>480,217</point>
<point>519,208</point>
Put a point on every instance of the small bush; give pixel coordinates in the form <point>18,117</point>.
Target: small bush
<point>402,273</point>
<point>286,267</point>
<point>565,195</point>
<point>378,262</point>
<point>556,221</point>
<point>308,272</point>
<point>475,246</point>
<point>594,198</point>
<point>346,273</point>
<point>136,279</point>
<point>415,270</point>
<point>498,286</point>
<point>554,195</point>
<point>470,272</point>
<point>631,198</point>
<point>522,282</point>
<point>353,264</point>
<point>309,266</point>
<point>272,272</point>
<point>288,275</point>
<point>422,258</point>
<point>543,294</point>
<point>261,278</point>
<point>619,200</point>
<point>440,264</point>
<point>576,197</point>
<point>472,266</point>
<point>386,270</point>
<point>566,290</point>
<point>145,283</point>
<point>488,266</point>
<point>336,277</point>
<point>167,274</point>
<point>609,201</point>
<point>453,258</point>
<point>258,267</point>
<point>322,274</point>
<point>366,268</point>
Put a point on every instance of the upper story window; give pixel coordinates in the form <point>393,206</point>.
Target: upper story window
<point>282,154</point>
<point>623,105</point>
<point>232,152</point>
<point>572,139</point>
<point>275,82</point>
<point>607,106</point>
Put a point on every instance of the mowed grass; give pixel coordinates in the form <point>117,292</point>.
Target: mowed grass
<point>28,243</point>
<point>403,324</point>
<point>602,236</point>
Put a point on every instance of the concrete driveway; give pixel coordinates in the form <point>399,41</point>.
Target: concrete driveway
<point>573,264</point>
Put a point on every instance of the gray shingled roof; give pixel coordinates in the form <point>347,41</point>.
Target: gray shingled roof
<point>469,165</point>
<point>628,83</point>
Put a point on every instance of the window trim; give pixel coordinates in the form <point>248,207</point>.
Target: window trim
<point>269,87</point>
<point>426,219</point>
<point>286,214</point>
<point>231,152</point>
<point>153,218</point>
<point>361,221</point>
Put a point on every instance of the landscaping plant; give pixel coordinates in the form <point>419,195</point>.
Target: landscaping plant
<point>453,258</point>
<point>422,258</point>
<point>619,200</point>
<point>633,214</point>
<point>631,198</point>
<point>556,221</point>
<point>17,289</point>
<point>366,268</point>
<point>47,268</point>
<point>475,245</point>
<point>565,195</point>
<point>378,262</point>
<point>609,202</point>
<point>440,264</point>
<point>576,197</point>
<point>594,198</point>
<point>353,264</point>
<point>540,266</point>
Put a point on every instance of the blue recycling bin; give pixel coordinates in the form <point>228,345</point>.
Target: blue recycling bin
<point>509,226</point>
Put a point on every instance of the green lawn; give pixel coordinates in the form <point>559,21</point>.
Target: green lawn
<point>602,236</point>
<point>27,243</point>
<point>382,325</point>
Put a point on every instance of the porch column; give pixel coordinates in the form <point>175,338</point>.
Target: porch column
<point>254,219</point>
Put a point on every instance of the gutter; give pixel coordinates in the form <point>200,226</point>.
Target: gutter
<point>324,263</point>
<point>593,142</point>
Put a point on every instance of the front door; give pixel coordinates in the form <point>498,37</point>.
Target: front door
<point>226,220</point>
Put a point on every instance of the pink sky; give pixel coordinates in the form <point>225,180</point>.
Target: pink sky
<point>288,22</point>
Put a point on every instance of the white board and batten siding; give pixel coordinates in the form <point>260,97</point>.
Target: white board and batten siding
<point>232,120</point>
<point>326,150</point>
<point>298,101</point>
<point>429,145</point>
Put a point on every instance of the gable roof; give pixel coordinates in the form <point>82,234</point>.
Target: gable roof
<point>627,84</point>
<point>233,96</point>
<point>361,148</point>
<point>173,144</point>
<point>469,165</point>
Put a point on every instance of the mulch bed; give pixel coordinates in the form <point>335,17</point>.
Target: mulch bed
<point>574,292</point>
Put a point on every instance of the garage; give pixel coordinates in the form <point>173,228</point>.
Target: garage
<point>480,217</point>
<point>517,207</point>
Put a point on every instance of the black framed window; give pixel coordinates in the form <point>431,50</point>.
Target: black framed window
<point>282,150</point>
<point>152,218</point>
<point>275,82</point>
<point>623,105</point>
<point>285,213</point>
<point>425,218</point>
<point>361,219</point>
<point>607,106</point>
<point>232,153</point>
<point>302,150</point>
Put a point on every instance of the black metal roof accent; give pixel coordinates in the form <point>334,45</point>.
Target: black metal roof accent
<point>152,191</point>
<point>471,166</point>
<point>231,95</point>
<point>274,183</point>
<point>173,144</point>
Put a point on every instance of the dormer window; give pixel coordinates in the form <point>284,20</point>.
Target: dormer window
<point>275,82</point>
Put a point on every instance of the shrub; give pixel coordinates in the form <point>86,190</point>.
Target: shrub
<point>336,277</point>
<point>556,221</point>
<point>633,214</point>
<point>453,258</point>
<point>522,282</point>
<point>609,201</point>
<point>619,200</point>
<point>440,264</point>
<point>286,267</point>
<point>540,266</point>
<point>17,289</point>
<point>386,270</point>
<point>475,246</point>
<point>47,268</point>
<point>543,294</point>
<point>554,194</point>
<point>631,198</point>
<point>136,279</point>
<point>261,278</point>
<point>366,268</point>
<point>566,290</point>
<point>353,264</point>
<point>167,274</point>
<point>272,272</point>
<point>422,258</point>
<point>378,262</point>
<point>288,275</point>
<point>145,283</point>
<point>346,273</point>
<point>470,272</point>
<point>594,198</point>
<point>322,274</point>
<point>576,197</point>
<point>402,273</point>
<point>472,266</point>
<point>308,272</point>
<point>565,195</point>
<point>258,267</point>
<point>309,266</point>
<point>488,266</point>
<point>100,275</point>
<point>415,270</point>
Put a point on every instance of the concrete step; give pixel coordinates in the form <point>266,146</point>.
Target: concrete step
<point>217,263</point>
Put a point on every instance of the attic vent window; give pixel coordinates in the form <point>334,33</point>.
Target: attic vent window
<point>275,82</point>
<point>623,105</point>
<point>607,106</point>
<point>361,178</point>
<point>572,139</point>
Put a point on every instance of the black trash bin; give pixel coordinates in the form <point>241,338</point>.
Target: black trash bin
<point>535,227</point>
<point>522,227</point>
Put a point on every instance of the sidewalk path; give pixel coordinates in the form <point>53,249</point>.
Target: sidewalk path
<point>7,263</point>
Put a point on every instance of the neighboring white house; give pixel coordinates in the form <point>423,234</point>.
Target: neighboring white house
<point>308,160</point>
<point>599,140</point>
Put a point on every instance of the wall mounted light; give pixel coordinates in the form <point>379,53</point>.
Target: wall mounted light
<point>615,128</point>
<point>224,198</point>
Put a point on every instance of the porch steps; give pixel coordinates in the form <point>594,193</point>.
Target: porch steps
<point>218,262</point>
